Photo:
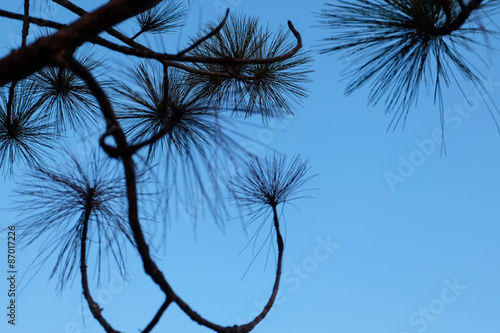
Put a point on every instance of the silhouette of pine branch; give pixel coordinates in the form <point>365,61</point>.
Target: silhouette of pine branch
<point>269,182</point>
<point>395,46</point>
<point>25,134</point>
<point>68,100</point>
<point>54,202</point>
<point>184,131</point>
<point>77,211</point>
<point>163,18</point>
<point>268,89</point>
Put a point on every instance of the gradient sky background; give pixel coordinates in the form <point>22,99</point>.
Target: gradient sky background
<point>394,250</point>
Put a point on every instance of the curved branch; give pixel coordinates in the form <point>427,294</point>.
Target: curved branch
<point>149,265</point>
<point>279,239</point>
<point>56,25</point>
<point>246,327</point>
<point>94,307</point>
<point>122,146</point>
<point>130,180</point>
<point>130,175</point>
<point>141,51</point>
<point>153,139</point>
<point>110,150</point>
<point>281,248</point>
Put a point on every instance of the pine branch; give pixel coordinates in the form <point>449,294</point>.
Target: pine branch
<point>281,247</point>
<point>130,175</point>
<point>26,23</point>
<point>27,60</point>
<point>157,316</point>
<point>57,50</point>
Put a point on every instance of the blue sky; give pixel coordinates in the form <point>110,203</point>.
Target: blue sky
<point>367,253</point>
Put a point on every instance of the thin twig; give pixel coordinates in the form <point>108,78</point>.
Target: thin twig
<point>158,315</point>
<point>38,21</point>
<point>137,34</point>
<point>94,307</point>
<point>281,247</point>
<point>26,23</point>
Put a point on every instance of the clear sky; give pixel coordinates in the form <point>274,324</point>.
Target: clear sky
<point>368,253</point>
